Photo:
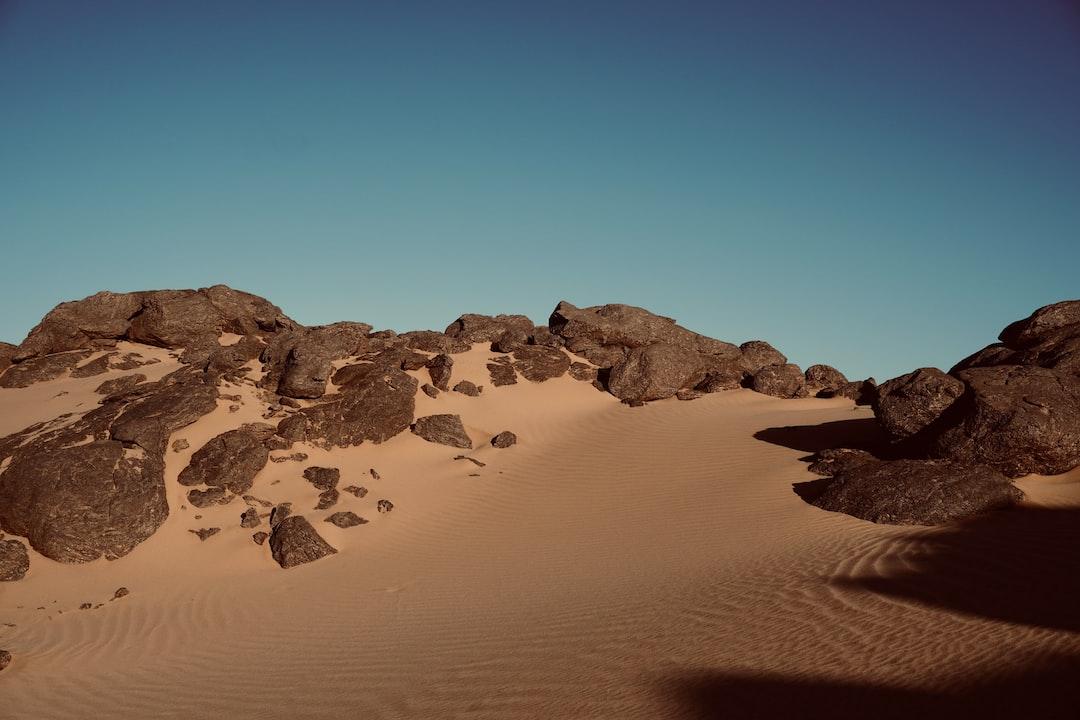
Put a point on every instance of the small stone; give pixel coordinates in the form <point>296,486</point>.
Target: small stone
<point>234,408</point>
<point>467,388</point>
<point>430,390</point>
<point>504,439</point>
<point>180,444</point>
<point>250,518</point>
<point>260,537</point>
<point>289,402</point>
<point>294,542</point>
<point>205,533</point>
<point>324,478</point>
<point>346,519</point>
<point>357,490</point>
<point>121,592</point>
<point>5,659</point>
<point>374,474</point>
<point>86,606</point>
<point>207,498</point>
<point>385,506</point>
<point>327,499</point>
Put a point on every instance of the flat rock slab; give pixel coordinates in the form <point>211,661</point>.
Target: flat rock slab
<point>443,429</point>
<point>294,541</point>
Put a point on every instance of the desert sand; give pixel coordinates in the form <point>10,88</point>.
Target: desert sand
<point>617,562</point>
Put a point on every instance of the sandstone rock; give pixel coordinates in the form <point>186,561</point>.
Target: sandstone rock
<point>538,363</point>
<point>306,371</point>
<point>323,478</point>
<point>542,335</point>
<point>916,492</point>
<point>443,429</point>
<point>298,363</point>
<point>384,506</point>
<point>758,354</point>
<point>440,368</point>
<point>467,388</point>
<point>207,498</point>
<point>782,381</point>
<point>504,439</point>
<point>166,407</point>
<point>14,560</point>
<point>722,374</point>
<point>1018,419</point>
<point>250,518</point>
<point>502,374</point>
<point>231,460</point>
<point>655,372</point>
<point>294,542</point>
<point>346,519</point>
<point>907,404</point>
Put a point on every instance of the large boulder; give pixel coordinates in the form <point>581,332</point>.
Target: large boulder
<point>231,461</point>
<point>538,363</point>
<point>487,329</point>
<point>373,405</point>
<point>655,372</point>
<point>782,381</point>
<point>443,429</point>
<point>757,354</point>
<point>14,560</point>
<point>293,541</point>
<point>907,404</point>
<point>440,368</point>
<point>1047,323</point>
<point>825,379</point>
<point>297,364</point>
<point>995,354</point>
<point>916,492</point>
<point>1018,419</point>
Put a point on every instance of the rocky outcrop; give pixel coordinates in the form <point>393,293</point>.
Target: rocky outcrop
<point>41,369</point>
<point>7,351</point>
<point>782,381</point>
<point>758,354</point>
<point>907,404</point>
<point>298,364</point>
<point>293,541</point>
<point>916,492</point>
<point>440,368</point>
<point>443,429</point>
<point>655,372</point>
<point>14,560</point>
<point>538,363</point>
<point>824,380</point>
<point>231,461</point>
<point>487,329</point>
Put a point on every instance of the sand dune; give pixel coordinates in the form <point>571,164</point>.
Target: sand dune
<point>618,562</point>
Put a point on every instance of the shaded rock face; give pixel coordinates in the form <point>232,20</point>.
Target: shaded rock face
<point>297,364</point>
<point>723,374</point>
<point>293,541</point>
<point>440,368</point>
<point>175,319</point>
<point>231,460</point>
<point>782,381</point>
<point>94,487</point>
<point>1019,419</point>
<point>655,372</point>
<point>14,560</point>
<point>907,404</point>
<point>825,378</point>
<point>374,406</point>
<point>833,461</point>
<point>603,334</point>
<point>916,492</point>
<point>1051,322</point>
<point>757,354</point>
<point>487,329</point>
<point>538,363</point>
<point>443,429</point>
<point>863,392</point>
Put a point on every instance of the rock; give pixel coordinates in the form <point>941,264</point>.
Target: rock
<point>440,368</point>
<point>507,343</point>
<point>279,513</point>
<point>430,390</point>
<point>207,498</point>
<point>1018,419</point>
<point>824,378</point>
<point>5,659</point>
<point>306,371</point>
<point>357,490</point>
<point>834,460</point>
<point>502,374</point>
<point>603,334</point>
<point>384,506</point>
<point>473,460</point>
<point>655,372</point>
<point>41,369</point>
<point>276,442</point>
<point>467,388</point>
<point>298,363</point>
<point>686,394</point>
<point>180,444</point>
<point>294,542</point>
<point>289,402</point>
<point>375,407</point>
<point>782,381</point>
<point>485,328</point>
<point>165,408</point>
<point>14,560</point>
<point>374,473</point>
<point>120,384</point>
<point>542,335</point>
<point>97,366</point>
<point>7,350</point>
<point>907,404</point>
<point>582,371</point>
<point>327,499</point>
<point>205,533</point>
<point>434,342</point>
<point>346,519</point>
<point>231,460</point>
<point>323,478</point>
<point>443,429</point>
<point>723,374</point>
<point>260,537</point>
<point>120,593</point>
<point>253,501</point>
<point>250,518</point>
<point>538,363</point>
<point>758,354</point>
<point>1046,323</point>
<point>916,492</point>
<point>293,457</point>
<point>504,439</point>
<point>863,392</point>
<point>996,354</point>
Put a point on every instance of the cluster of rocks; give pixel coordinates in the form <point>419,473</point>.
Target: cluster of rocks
<point>955,440</point>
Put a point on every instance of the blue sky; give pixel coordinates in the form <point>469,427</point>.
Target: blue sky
<point>878,186</point>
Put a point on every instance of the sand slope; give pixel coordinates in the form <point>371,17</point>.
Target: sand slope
<point>619,562</point>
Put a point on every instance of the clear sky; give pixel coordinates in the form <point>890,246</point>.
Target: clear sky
<point>875,185</point>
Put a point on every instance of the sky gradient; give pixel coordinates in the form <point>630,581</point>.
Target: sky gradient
<point>878,186</point>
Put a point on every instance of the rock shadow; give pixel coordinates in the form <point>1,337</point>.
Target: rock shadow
<point>861,433</point>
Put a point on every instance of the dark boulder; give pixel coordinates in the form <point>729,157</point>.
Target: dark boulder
<point>74,325</point>
<point>722,374</point>
<point>824,378</point>
<point>835,460</point>
<point>440,368</point>
<point>205,534</point>
<point>260,537</point>
<point>356,490</point>
<point>538,363</point>
<point>97,366</point>
<point>996,354</point>
<point>504,439</point>
<point>863,392</point>
<point>502,374</point>
<point>5,659</point>
<point>486,328</point>
<point>655,372</point>
<point>41,369</point>
<point>384,506</point>
<point>14,560</point>
<point>430,390</point>
<point>346,519</point>
<point>582,371</point>
<point>7,351</point>
<point>306,371</point>
<point>208,498</point>
<point>916,492</point>
<point>433,342</point>
<point>165,407</point>
<point>279,513</point>
<point>465,387</point>
<point>757,354</point>
<point>443,429</point>
<point>231,460</point>
<point>297,364</point>
<point>907,404</point>
<point>323,478</point>
<point>1019,419</point>
<point>1047,323</point>
<point>782,381</point>
<point>293,541</point>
